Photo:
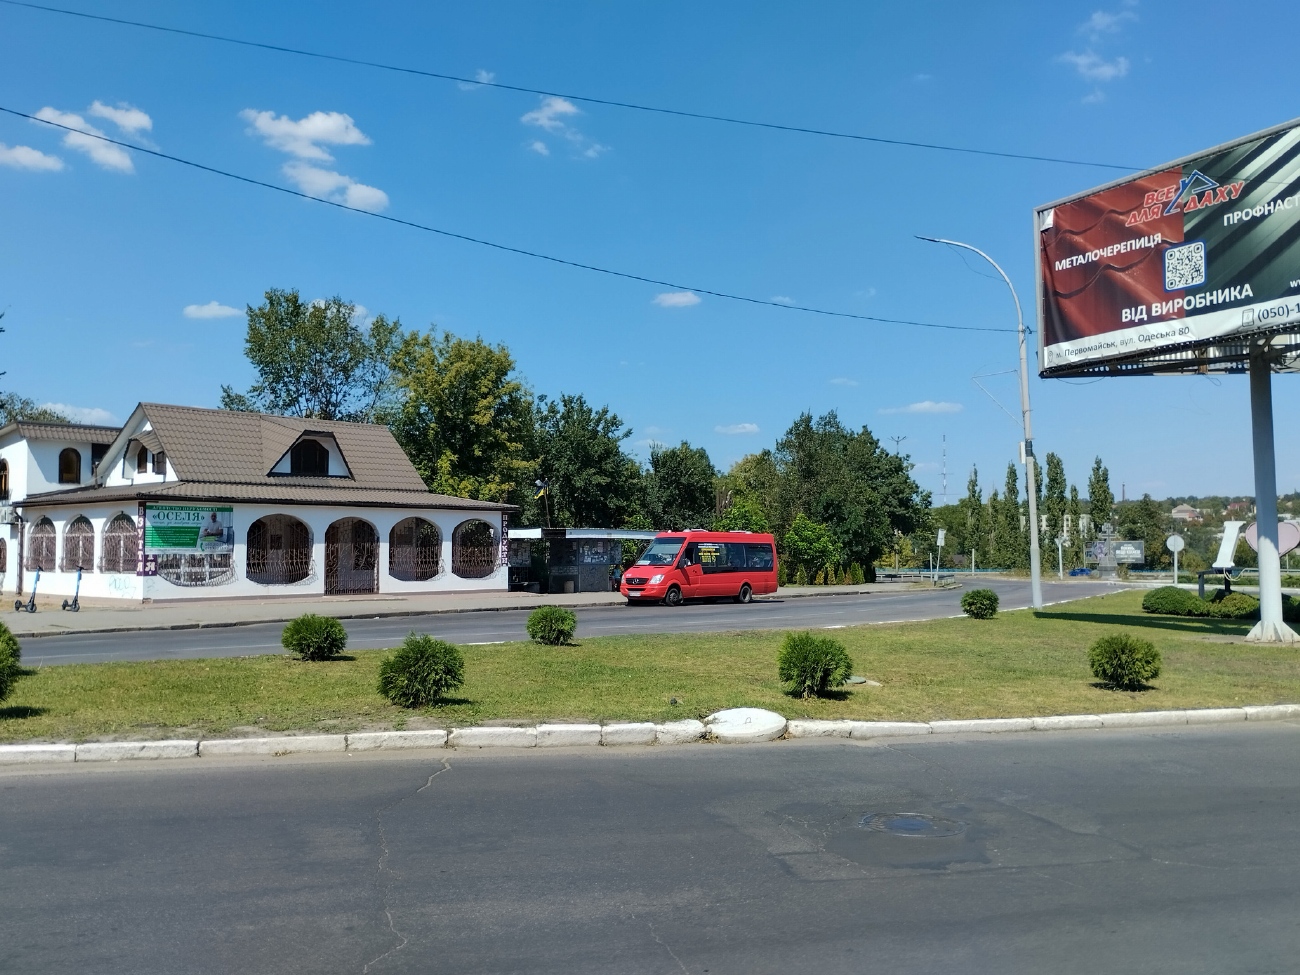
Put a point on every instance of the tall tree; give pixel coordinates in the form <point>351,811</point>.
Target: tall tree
<point>313,359</point>
<point>679,487</point>
<point>593,482</point>
<point>465,417</point>
<point>1054,497</point>
<point>1073,509</point>
<point>1101,500</point>
<point>1145,519</point>
<point>1010,540</point>
<point>972,507</point>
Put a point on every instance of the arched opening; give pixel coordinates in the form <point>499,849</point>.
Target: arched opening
<point>309,457</point>
<point>41,544</point>
<point>4,480</point>
<point>79,546</point>
<point>69,466</point>
<point>121,545</point>
<point>474,550</point>
<point>351,557</point>
<point>414,550</point>
<point>279,551</point>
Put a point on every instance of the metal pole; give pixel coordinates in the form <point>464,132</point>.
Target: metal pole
<point>1035,556</point>
<point>1270,628</point>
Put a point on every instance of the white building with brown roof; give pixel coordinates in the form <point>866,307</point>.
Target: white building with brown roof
<point>191,503</point>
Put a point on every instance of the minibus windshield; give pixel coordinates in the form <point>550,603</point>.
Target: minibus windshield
<point>662,551</point>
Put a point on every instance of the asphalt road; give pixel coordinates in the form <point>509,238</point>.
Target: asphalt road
<point>501,626</point>
<point>1086,852</point>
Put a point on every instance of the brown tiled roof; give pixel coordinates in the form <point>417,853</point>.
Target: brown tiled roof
<point>74,432</point>
<point>280,491</point>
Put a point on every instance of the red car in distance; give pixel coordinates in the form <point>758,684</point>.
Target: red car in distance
<point>702,565</point>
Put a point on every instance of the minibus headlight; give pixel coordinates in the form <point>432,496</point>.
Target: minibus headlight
<point>655,580</point>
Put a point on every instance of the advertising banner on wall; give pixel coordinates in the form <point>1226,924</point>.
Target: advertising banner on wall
<point>1177,258</point>
<point>174,529</point>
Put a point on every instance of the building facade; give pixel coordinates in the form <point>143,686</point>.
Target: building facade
<point>188,503</point>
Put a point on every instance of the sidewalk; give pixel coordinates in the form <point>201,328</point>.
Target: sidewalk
<point>114,616</point>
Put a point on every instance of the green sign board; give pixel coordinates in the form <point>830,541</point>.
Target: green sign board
<point>174,529</point>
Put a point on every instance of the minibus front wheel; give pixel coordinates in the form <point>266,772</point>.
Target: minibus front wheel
<point>673,597</point>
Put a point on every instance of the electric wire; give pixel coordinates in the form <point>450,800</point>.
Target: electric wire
<point>586,99</point>
<point>520,251</point>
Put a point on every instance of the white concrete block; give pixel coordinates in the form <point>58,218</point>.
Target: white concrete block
<point>32,754</point>
<point>485,737</point>
<point>286,745</point>
<point>559,735</point>
<point>982,725</point>
<point>116,751</point>
<point>736,726</point>
<point>1066,722</point>
<point>639,733</point>
<point>679,732</point>
<point>1272,712</point>
<point>377,741</point>
<point>1215,715</point>
<point>805,728</point>
<point>1143,719</point>
<point>887,729</point>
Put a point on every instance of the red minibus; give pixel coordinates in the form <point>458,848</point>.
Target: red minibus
<point>697,565</point>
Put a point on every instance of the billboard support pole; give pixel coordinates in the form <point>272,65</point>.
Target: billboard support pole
<point>1035,556</point>
<point>1271,628</point>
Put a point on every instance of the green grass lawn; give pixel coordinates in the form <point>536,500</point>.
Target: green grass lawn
<point>1017,664</point>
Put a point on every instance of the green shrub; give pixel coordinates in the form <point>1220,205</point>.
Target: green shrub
<point>820,579</point>
<point>980,604</point>
<point>552,625</point>
<point>1172,601</point>
<point>421,671</point>
<point>10,668</point>
<point>1233,606</point>
<point>1124,661</point>
<point>800,577</point>
<point>782,575</point>
<point>810,665</point>
<point>313,637</point>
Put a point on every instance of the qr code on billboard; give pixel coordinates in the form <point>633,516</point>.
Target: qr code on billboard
<point>1185,266</point>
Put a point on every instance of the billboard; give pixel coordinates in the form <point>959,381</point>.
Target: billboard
<point>176,529</point>
<point>1173,259</point>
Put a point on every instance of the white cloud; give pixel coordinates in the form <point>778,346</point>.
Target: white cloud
<point>25,157</point>
<point>549,114</point>
<point>329,185</point>
<point>1104,22</point>
<point>1094,67</point>
<point>677,299</point>
<point>737,428</point>
<point>306,137</point>
<point>1094,97</point>
<point>83,414</point>
<point>481,77</point>
<point>213,309</point>
<point>843,381</point>
<point>925,406</point>
<point>126,117</point>
<point>101,153</point>
<point>539,147</point>
<point>783,299</point>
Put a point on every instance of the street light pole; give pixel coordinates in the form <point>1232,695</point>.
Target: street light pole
<point>1035,557</point>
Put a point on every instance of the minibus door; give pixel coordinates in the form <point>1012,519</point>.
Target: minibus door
<point>692,573</point>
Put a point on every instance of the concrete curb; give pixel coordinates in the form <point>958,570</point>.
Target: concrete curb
<point>746,724</point>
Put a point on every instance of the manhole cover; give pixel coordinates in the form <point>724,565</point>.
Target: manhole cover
<point>911,824</point>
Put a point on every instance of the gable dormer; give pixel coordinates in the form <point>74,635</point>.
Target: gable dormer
<point>315,453</point>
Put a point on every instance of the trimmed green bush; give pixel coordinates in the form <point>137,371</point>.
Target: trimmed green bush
<point>10,668</point>
<point>856,576</point>
<point>1233,606</point>
<point>820,578</point>
<point>312,637</point>
<point>1124,661</point>
<point>980,604</point>
<point>552,625</point>
<point>810,665</point>
<point>1172,601</point>
<point>782,575</point>
<point>421,671</point>
<point>800,577</point>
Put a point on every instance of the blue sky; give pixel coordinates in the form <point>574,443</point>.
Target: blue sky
<point>103,251</point>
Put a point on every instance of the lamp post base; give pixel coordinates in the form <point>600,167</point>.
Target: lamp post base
<point>1270,632</point>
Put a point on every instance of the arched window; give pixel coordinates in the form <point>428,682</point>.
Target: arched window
<point>4,480</point>
<point>414,550</point>
<point>474,552</point>
<point>121,545</point>
<point>279,551</point>
<point>79,546</point>
<point>41,543</point>
<point>309,457</point>
<point>70,466</point>
<point>351,557</point>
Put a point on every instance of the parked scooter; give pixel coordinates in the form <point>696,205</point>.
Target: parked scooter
<point>75,605</point>
<point>30,605</point>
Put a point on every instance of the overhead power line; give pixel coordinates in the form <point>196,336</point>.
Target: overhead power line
<point>587,99</point>
<point>522,252</point>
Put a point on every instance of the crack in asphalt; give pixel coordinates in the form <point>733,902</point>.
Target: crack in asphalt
<point>382,866</point>
<point>663,944</point>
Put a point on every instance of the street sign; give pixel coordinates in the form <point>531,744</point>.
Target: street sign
<point>1175,543</point>
<point>941,534</point>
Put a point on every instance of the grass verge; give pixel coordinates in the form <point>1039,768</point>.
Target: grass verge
<point>1016,664</point>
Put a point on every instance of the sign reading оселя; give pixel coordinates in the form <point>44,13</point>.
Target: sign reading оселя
<point>1188,254</point>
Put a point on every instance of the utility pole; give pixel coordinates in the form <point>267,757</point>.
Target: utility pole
<point>897,441</point>
<point>945,470</point>
<point>1035,556</point>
